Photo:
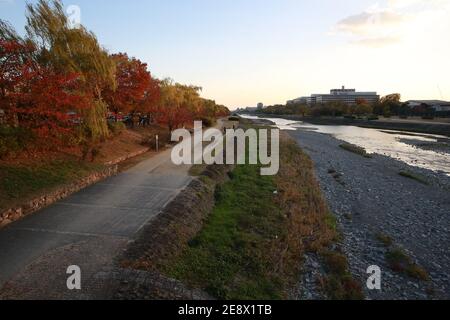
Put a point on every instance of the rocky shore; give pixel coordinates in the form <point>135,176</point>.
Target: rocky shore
<point>378,210</point>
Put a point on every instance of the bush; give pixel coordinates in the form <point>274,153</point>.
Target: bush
<point>207,122</point>
<point>413,176</point>
<point>116,127</point>
<point>355,149</point>
<point>13,140</point>
<point>95,152</point>
<point>399,261</point>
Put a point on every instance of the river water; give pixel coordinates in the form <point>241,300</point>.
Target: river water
<point>383,142</point>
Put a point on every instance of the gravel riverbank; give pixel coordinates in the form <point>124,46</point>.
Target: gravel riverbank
<point>370,198</point>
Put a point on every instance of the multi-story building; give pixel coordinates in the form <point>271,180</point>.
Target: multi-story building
<point>347,96</point>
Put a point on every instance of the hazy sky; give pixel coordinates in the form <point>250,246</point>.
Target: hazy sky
<point>247,51</point>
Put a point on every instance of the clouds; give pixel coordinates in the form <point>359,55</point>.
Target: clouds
<point>366,22</point>
<point>380,26</point>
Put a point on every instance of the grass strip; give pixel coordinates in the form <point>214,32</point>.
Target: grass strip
<point>21,182</point>
<point>355,149</point>
<point>252,244</point>
<point>413,176</point>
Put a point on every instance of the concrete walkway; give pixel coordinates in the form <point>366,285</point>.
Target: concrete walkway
<point>87,229</point>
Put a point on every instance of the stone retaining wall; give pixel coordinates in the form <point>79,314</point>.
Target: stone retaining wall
<point>165,238</point>
<point>128,156</point>
<point>45,200</point>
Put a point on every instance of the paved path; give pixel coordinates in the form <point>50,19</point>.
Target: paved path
<point>87,229</point>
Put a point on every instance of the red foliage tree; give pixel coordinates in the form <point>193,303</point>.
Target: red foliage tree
<point>136,90</point>
<point>36,97</point>
<point>152,97</point>
<point>14,57</point>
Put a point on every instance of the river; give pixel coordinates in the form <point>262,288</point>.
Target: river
<point>384,142</point>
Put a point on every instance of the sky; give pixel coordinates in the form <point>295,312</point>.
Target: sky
<point>243,52</point>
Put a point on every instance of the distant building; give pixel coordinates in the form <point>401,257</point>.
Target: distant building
<point>260,106</point>
<point>301,100</point>
<point>437,105</point>
<point>347,96</point>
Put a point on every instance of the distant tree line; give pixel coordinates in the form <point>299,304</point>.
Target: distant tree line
<point>387,106</point>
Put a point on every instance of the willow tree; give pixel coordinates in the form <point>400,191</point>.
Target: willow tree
<point>73,50</point>
<point>191,98</point>
<point>171,109</point>
<point>7,32</point>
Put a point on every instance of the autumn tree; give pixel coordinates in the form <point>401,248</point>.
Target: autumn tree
<point>363,107</point>
<point>136,90</point>
<point>38,97</point>
<point>73,50</point>
<point>170,110</point>
<point>152,96</point>
<point>388,105</point>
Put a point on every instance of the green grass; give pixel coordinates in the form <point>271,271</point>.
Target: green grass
<point>400,262</point>
<point>339,283</point>
<point>252,244</point>
<point>414,176</point>
<point>197,170</point>
<point>385,239</point>
<point>228,257</point>
<point>355,149</point>
<point>20,182</point>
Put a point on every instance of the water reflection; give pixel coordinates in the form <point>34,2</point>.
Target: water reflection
<point>384,142</point>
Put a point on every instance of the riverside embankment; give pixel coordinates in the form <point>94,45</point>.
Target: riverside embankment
<point>391,214</point>
<point>392,211</point>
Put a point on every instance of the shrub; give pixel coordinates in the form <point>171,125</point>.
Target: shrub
<point>400,262</point>
<point>13,140</point>
<point>339,284</point>
<point>95,152</point>
<point>413,176</point>
<point>207,121</point>
<point>385,239</point>
<point>355,149</point>
<point>116,127</point>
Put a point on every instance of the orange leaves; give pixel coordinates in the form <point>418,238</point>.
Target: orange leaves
<point>136,90</point>
<point>39,97</point>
